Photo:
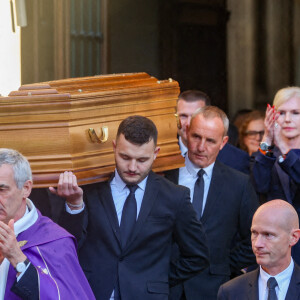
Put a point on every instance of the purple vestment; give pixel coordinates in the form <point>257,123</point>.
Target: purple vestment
<point>52,251</point>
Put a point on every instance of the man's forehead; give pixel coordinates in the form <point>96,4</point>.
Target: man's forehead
<point>214,122</point>
<point>126,146</point>
<point>6,175</point>
<point>6,169</point>
<point>182,104</point>
<point>275,218</point>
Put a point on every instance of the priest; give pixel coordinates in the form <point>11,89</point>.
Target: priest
<point>38,258</point>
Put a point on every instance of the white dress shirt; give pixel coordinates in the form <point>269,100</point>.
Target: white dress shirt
<point>189,174</point>
<point>283,279</point>
<point>182,147</point>
<point>120,192</point>
<point>21,225</point>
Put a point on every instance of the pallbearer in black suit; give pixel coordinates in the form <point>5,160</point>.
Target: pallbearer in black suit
<point>274,231</point>
<point>225,202</point>
<point>126,227</point>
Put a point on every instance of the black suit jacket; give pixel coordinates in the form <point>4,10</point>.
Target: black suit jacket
<point>246,287</point>
<point>235,158</point>
<point>230,205</point>
<point>143,267</point>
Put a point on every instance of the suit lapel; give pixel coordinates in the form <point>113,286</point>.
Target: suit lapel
<point>252,292</point>
<point>151,191</point>
<point>105,196</point>
<point>214,191</point>
<point>293,292</point>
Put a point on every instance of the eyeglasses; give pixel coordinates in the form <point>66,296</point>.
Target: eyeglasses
<point>253,133</point>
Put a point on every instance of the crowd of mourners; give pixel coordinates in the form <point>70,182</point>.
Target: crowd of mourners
<point>223,226</point>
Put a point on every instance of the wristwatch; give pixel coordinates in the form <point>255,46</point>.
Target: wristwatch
<point>264,146</point>
<point>281,158</point>
<point>21,266</point>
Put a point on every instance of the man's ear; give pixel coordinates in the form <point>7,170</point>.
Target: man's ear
<point>157,149</point>
<point>225,140</point>
<point>26,190</point>
<point>295,236</point>
<point>114,144</point>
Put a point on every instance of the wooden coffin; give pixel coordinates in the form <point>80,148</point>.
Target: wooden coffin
<point>69,124</point>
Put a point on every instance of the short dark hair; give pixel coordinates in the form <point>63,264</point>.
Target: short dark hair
<point>193,96</point>
<point>138,130</point>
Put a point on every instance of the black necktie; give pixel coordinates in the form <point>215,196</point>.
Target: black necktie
<point>128,215</point>
<point>198,194</point>
<point>271,284</point>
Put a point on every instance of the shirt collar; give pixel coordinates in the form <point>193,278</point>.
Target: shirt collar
<point>193,170</point>
<point>182,147</point>
<point>286,274</point>
<point>121,185</point>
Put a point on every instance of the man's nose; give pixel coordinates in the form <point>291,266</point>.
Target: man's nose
<point>201,145</point>
<point>258,242</point>
<point>132,165</point>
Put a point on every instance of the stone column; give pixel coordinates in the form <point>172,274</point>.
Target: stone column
<point>240,54</point>
<point>279,22</point>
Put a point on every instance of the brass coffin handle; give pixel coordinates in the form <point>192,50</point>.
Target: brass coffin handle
<point>103,137</point>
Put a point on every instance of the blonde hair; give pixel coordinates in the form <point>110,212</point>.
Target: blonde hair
<point>285,94</point>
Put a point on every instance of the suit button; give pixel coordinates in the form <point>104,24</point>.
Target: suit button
<point>121,258</point>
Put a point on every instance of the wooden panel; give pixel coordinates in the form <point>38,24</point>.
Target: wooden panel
<point>49,122</point>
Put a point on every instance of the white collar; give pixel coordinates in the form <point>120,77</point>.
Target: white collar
<point>182,147</point>
<point>193,170</point>
<point>286,274</point>
<point>28,219</point>
<point>121,185</point>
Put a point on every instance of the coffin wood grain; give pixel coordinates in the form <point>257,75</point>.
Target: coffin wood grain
<point>48,122</point>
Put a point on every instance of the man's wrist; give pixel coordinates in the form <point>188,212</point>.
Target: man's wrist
<point>21,266</point>
<point>15,261</point>
<point>75,206</point>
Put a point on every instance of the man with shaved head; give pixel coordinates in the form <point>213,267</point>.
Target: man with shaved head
<point>274,231</point>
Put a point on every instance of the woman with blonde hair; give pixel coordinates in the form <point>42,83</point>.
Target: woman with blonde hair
<point>276,168</point>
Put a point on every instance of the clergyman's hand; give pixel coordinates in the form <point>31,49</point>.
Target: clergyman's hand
<point>9,247</point>
<point>68,188</point>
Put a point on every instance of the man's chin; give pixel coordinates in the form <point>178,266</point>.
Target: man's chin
<point>262,259</point>
<point>131,179</point>
<point>199,161</point>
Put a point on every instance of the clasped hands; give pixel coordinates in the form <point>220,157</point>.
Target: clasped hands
<point>272,134</point>
<point>9,247</point>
